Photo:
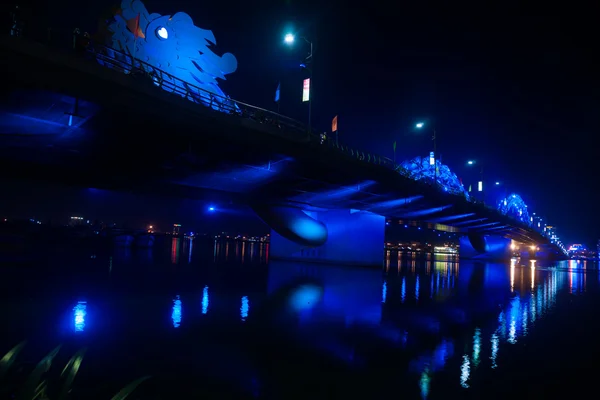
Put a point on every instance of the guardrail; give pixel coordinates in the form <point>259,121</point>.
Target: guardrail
<point>125,63</point>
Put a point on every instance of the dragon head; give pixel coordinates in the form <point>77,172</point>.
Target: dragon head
<point>173,44</point>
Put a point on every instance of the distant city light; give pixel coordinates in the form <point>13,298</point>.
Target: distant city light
<point>289,38</point>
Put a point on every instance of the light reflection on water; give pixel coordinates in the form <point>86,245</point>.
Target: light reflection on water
<point>413,299</point>
<point>79,314</point>
<point>532,293</point>
<point>176,313</point>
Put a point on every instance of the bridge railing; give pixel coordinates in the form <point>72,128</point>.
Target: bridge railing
<point>125,63</point>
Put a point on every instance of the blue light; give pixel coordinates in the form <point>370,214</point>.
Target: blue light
<point>244,308</point>
<point>302,66</point>
<point>420,125</point>
<point>515,207</point>
<point>419,168</point>
<point>305,297</point>
<point>211,209</point>
<point>205,300</point>
<point>79,313</point>
<point>176,313</point>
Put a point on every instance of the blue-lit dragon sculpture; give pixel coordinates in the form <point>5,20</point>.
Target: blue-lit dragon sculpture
<point>173,44</point>
<point>419,168</point>
<point>514,206</point>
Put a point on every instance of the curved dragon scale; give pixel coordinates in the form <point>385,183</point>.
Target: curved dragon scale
<point>514,206</point>
<point>419,168</point>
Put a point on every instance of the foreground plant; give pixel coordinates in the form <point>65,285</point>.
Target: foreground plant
<point>38,383</point>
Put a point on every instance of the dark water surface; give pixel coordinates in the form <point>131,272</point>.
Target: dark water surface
<point>209,320</point>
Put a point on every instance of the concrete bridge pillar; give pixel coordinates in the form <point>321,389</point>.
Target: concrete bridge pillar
<point>347,237</point>
<point>485,247</point>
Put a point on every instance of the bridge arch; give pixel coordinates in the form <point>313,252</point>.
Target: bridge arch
<point>420,168</point>
<point>515,207</point>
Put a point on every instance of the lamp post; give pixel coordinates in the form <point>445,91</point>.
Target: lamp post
<point>289,39</point>
<point>421,125</point>
<point>480,182</point>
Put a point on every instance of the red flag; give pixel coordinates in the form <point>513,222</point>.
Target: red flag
<point>334,124</point>
<point>133,25</point>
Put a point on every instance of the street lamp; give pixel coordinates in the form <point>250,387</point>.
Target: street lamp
<point>480,182</point>
<point>289,39</point>
<point>421,125</point>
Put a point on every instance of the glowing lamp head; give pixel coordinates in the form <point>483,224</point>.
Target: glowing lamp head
<point>162,33</point>
<point>419,125</point>
<point>497,183</point>
<point>289,38</point>
<point>533,247</point>
<point>470,162</point>
<point>211,209</point>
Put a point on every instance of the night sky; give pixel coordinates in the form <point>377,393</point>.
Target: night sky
<point>516,92</point>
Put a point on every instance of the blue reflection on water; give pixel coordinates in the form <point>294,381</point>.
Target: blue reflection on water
<point>205,300</point>
<point>244,308</point>
<point>176,313</point>
<point>79,314</point>
<point>305,297</point>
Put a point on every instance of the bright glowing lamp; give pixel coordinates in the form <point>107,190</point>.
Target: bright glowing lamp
<point>162,33</point>
<point>289,38</point>
<point>211,209</point>
<point>497,183</point>
<point>420,125</point>
<point>470,162</point>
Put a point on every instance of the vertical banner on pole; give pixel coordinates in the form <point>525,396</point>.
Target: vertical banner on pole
<point>432,158</point>
<point>277,92</point>
<point>306,90</point>
<point>334,127</point>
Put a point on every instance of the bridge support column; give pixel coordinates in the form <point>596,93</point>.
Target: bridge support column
<point>347,237</point>
<point>485,247</point>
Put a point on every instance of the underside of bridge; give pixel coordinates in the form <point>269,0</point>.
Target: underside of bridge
<point>86,126</point>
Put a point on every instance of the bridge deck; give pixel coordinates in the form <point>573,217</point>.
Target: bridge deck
<point>130,133</point>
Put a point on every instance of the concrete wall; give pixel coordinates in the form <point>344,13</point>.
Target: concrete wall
<point>352,238</point>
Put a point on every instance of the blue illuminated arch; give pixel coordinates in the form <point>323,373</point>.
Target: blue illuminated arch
<point>419,168</point>
<point>173,44</point>
<point>515,207</point>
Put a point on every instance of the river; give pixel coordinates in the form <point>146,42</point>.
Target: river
<point>205,319</point>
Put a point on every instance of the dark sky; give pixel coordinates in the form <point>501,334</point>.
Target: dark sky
<point>515,89</point>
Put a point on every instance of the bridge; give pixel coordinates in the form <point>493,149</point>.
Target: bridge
<point>102,118</point>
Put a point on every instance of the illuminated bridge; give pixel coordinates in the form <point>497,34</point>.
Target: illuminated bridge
<point>98,119</point>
